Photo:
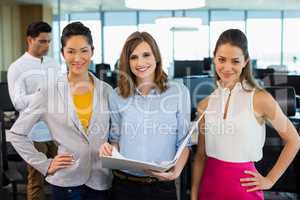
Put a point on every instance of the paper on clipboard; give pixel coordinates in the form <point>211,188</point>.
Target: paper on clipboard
<point>118,161</point>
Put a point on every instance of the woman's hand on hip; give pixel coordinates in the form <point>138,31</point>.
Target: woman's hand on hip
<point>256,182</point>
<point>59,162</point>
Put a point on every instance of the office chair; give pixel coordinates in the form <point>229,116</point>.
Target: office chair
<point>286,98</point>
<point>284,80</point>
<point>3,76</point>
<point>8,175</point>
<point>102,69</point>
<point>104,73</point>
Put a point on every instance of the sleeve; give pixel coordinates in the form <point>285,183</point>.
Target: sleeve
<point>183,115</point>
<point>16,88</point>
<point>18,134</point>
<point>115,117</point>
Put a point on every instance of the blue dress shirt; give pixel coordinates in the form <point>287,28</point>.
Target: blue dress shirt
<point>150,128</point>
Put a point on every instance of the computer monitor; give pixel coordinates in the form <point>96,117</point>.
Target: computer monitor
<point>253,63</point>
<point>260,73</point>
<point>199,87</point>
<point>207,62</point>
<point>184,68</point>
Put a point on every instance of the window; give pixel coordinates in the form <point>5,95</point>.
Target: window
<point>56,34</point>
<point>291,41</point>
<point>264,37</point>
<point>223,20</point>
<point>117,27</point>
<point>160,34</point>
<point>271,41</point>
<point>92,21</point>
<point>192,45</point>
<point>177,44</point>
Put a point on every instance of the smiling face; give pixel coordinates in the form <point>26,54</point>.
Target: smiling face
<point>142,63</point>
<point>77,54</point>
<point>229,62</point>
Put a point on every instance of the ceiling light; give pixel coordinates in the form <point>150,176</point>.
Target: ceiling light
<point>179,23</point>
<point>184,29</point>
<point>164,4</point>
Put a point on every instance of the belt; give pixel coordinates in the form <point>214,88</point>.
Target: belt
<point>139,179</point>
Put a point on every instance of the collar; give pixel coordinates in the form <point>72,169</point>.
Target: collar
<point>28,55</point>
<point>237,87</point>
<point>153,91</point>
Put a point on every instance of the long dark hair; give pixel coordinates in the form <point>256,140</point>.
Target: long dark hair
<point>237,38</point>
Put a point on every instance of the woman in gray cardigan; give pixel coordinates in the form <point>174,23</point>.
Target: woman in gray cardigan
<point>74,106</point>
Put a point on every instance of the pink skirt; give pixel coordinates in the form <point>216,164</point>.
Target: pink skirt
<point>221,181</point>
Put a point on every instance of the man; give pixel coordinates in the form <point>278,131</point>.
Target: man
<point>26,75</point>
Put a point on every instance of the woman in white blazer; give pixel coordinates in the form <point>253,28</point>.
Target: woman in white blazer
<point>75,108</point>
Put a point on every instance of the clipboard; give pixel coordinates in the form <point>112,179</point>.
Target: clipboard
<point>118,161</point>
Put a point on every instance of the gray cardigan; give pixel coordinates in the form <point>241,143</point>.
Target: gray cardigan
<point>55,107</point>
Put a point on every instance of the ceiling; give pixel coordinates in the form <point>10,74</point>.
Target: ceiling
<point>95,5</point>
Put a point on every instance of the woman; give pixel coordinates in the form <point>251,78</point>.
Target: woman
<point>150,118</point>
<point>232,133</point>
<point>75,109</point>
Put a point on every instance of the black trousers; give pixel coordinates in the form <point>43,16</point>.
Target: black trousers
<point>130,190</point>
<point>78,193</point>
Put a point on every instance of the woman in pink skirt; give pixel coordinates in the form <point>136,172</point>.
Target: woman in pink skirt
<point>232,133</point>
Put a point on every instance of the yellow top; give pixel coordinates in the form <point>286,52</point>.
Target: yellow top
<point>83,106</point>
